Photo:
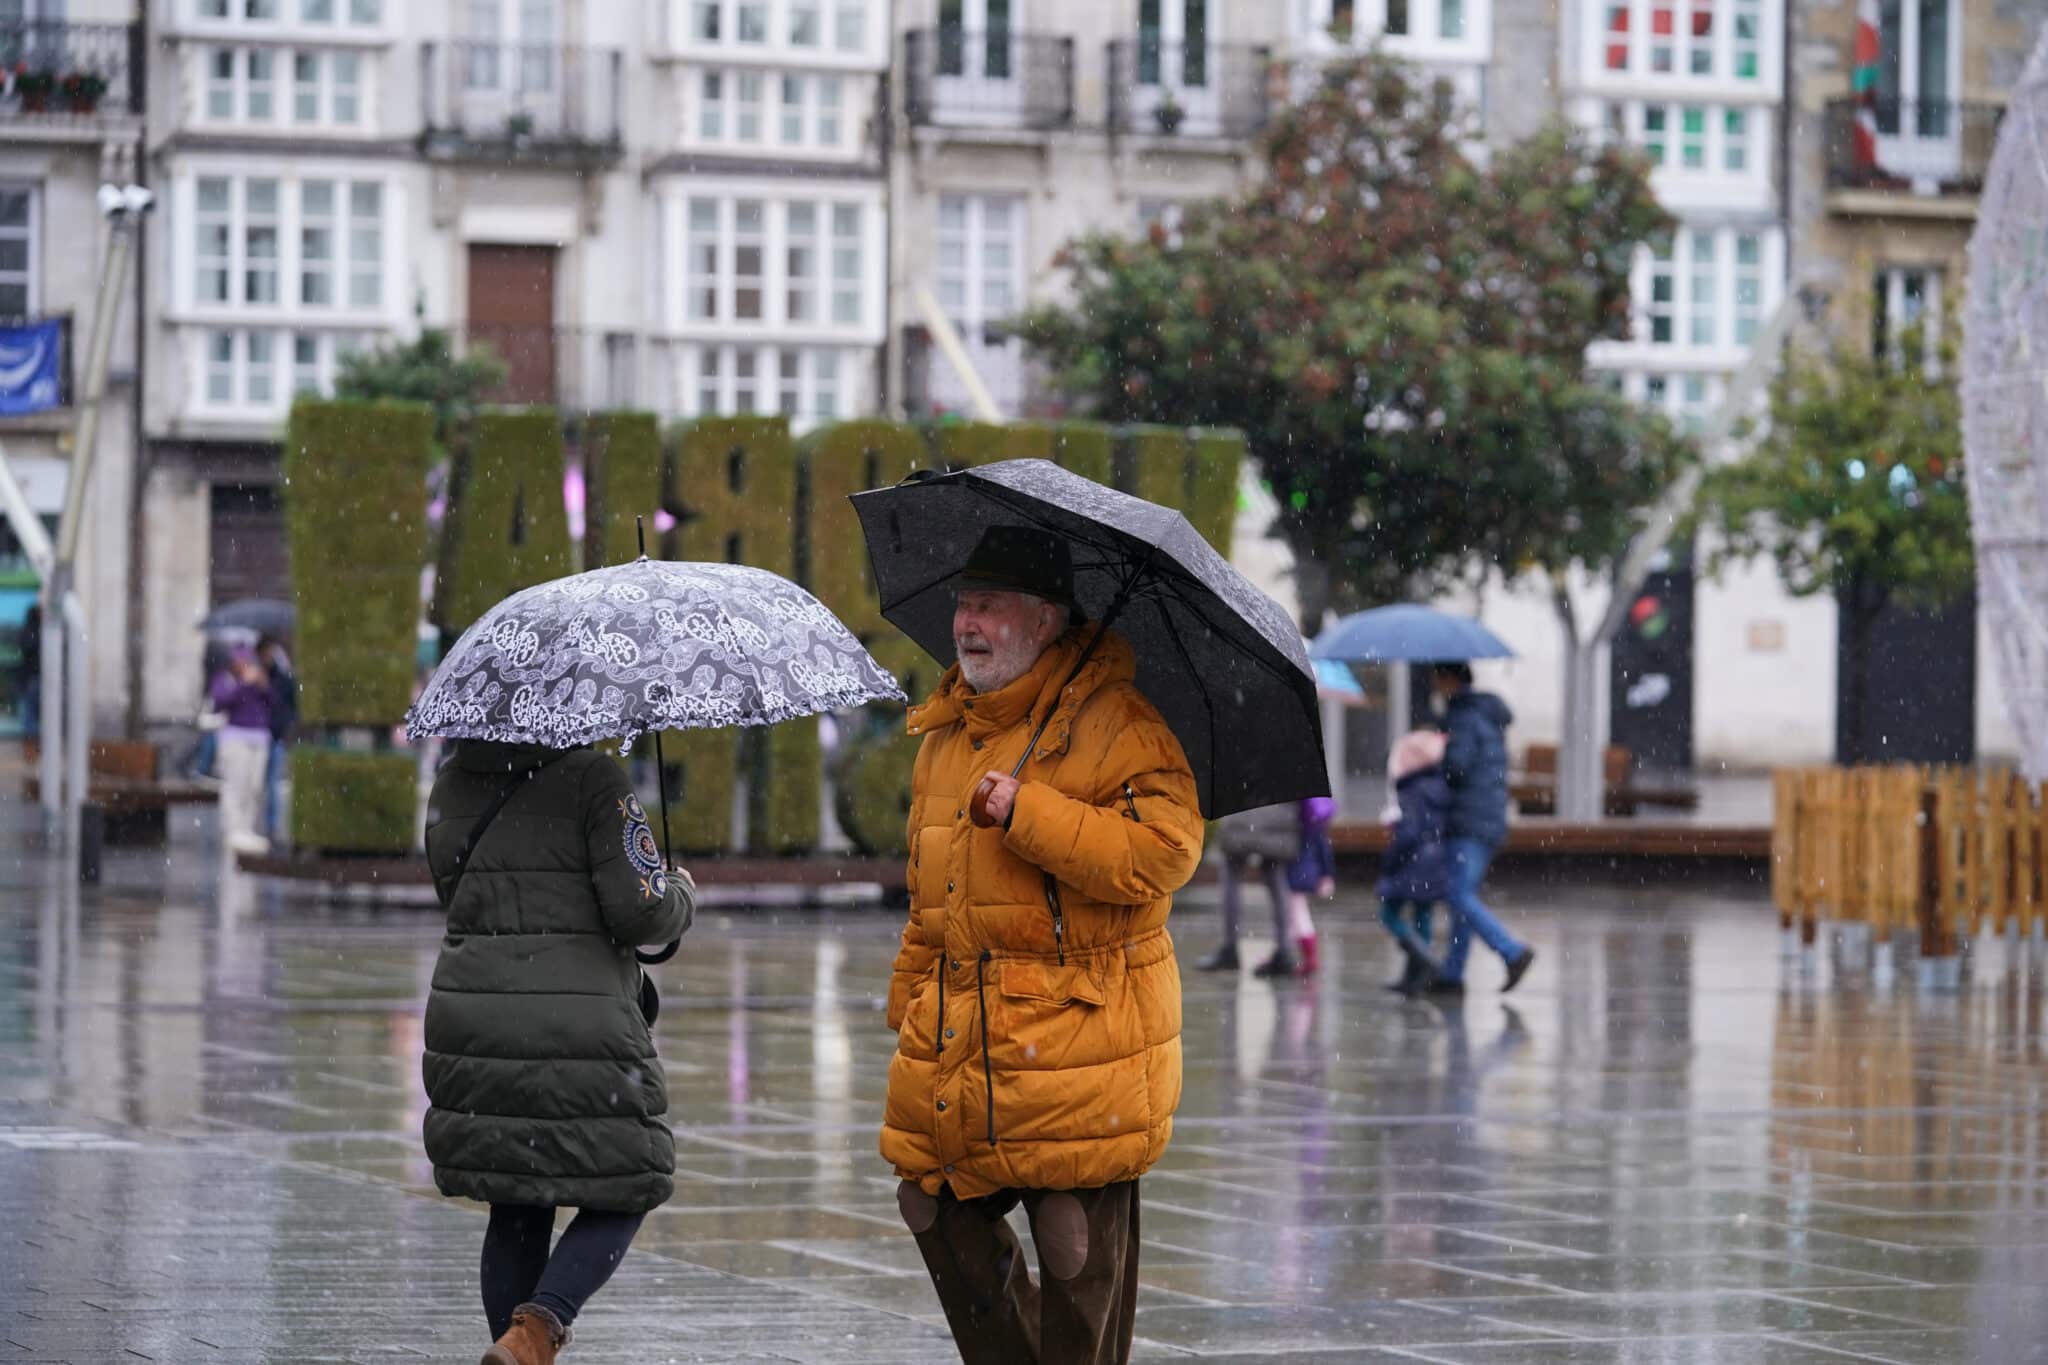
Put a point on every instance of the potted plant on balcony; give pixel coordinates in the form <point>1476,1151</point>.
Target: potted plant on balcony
<point>1169,113</point>
<point>34,87</point>
<point>82,90</point>
<point>519,127</point>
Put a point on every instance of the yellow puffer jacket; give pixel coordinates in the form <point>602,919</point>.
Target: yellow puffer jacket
<point>1036,997</point>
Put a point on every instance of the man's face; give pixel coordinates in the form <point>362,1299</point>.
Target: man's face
<point>999,635</point>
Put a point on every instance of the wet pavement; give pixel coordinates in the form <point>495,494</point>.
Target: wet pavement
<point>1672,1147</point>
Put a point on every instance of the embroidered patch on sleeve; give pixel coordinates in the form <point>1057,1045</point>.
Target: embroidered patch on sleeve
<point>641,851</point>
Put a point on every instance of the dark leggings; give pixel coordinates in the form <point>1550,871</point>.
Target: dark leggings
<point>518,1269</point>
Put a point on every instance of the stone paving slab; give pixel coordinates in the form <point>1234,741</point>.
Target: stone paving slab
<point>1671,1147</point>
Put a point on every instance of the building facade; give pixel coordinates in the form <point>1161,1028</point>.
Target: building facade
<point>677,205</point>
<point>72,79</point>
<point>1026,123</point>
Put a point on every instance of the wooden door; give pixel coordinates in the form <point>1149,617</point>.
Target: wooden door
<point>248,556</point>
<point>512,310</point>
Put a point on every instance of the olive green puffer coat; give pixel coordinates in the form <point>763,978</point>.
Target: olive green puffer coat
<point>540,1070</point>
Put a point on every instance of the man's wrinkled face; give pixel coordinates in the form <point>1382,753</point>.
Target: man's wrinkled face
<point>999,635</point>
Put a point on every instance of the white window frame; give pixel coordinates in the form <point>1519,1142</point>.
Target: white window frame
<point>725,109</point>
<point>284,83</point>
<point>288,310</point>
<point>31,273</point>
<point>288,21</point>
<point>830,284</point>
<point>1712,186</point>
<point>1423,41</point>
<point>1165,213</point>
<point>1728,315</point>
<point>1890,289</point>
<point>721,370</point>
<point>684,22</point>
<point>1682,82</point>
<point>281,369</point>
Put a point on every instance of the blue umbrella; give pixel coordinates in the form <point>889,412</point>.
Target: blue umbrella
<point>1335,676</point>
<point>1407,634</point>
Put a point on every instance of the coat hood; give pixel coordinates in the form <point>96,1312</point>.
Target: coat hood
<point>1485,704</point>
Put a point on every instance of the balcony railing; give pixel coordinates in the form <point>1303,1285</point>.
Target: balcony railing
<point>57,72</point>
<point>526,102</point>
<point>998,79</point>
<point>1911,146</point>
<point>577,369</point>
<point>1203,90</point>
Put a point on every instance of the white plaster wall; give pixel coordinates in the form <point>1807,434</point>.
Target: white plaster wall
<point>176,510</point>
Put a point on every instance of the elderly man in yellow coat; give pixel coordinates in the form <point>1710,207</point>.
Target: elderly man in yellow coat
<point>1036,997</point>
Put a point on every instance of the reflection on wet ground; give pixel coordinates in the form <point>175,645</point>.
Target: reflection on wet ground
<point>1670,1148</point>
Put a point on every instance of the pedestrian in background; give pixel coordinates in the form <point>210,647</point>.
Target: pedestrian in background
<point>1415,870</point>
<point>1476,768</point>
<point>540,1068</point>
<point>1312,873</point>
<point>284,720</point>
<point>1268,839</point>
<point>241,693</point>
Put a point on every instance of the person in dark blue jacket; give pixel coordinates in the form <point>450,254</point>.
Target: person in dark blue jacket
<point>1414,872</point>
<point>1476,767</point>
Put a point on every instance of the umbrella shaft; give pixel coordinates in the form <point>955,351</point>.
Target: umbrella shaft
<point>661,779</point>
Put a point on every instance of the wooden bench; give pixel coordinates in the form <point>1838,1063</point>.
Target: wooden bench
<point>1535,792</point>
<point>123,782</point>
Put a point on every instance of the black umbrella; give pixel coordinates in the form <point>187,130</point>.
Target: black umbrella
<point>1220,659</point>
<point>257,615</point>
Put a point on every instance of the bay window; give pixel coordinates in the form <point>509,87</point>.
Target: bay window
<point>1705,290</point>
<point>752,260</point>
<point>275,243</point>
<point>1720,40</point>
<point>247,87</point>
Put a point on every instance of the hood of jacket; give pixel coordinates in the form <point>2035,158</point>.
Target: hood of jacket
<point>1484,704</point>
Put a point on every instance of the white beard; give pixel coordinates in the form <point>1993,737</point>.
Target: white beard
<point>1007,660</point>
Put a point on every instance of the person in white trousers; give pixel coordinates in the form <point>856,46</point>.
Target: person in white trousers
<point>241,693</point>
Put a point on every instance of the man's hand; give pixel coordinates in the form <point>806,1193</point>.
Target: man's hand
<point>999,797</point>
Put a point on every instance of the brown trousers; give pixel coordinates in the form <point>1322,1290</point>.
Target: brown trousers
<point>1084,1308</point>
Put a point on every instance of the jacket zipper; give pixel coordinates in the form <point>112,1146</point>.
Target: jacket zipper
<point>939,1042</point>
<point>1131,800</point>
<point>988,1076</point>
<point>1059,921</point>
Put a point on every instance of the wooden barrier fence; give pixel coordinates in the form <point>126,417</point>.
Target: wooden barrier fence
<point>1939,850</point>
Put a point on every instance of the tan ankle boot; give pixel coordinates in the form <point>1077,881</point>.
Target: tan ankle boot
<point>533,1338</point>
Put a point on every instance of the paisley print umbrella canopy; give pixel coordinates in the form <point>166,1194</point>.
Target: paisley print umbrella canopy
<point>648,646</point>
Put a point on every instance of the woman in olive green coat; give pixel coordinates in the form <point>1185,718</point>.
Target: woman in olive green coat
<point>545,1091</point>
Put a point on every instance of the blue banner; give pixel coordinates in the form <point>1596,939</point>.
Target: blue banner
<point>31,367</point>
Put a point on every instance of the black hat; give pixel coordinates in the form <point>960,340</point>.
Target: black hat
<point>1022,559</point>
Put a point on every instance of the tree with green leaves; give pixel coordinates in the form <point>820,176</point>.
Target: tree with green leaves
<point>425,370</point>
<point>1400,332</point>
<point>1855,488</point>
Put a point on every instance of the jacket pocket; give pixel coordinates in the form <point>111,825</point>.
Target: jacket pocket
<point>1025,979</point>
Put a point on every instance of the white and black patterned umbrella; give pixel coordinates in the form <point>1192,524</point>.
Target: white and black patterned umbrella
<point>648,646</point>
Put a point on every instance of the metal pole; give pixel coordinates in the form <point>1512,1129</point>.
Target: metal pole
<point>77,741</point>
<point>105,310</point>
